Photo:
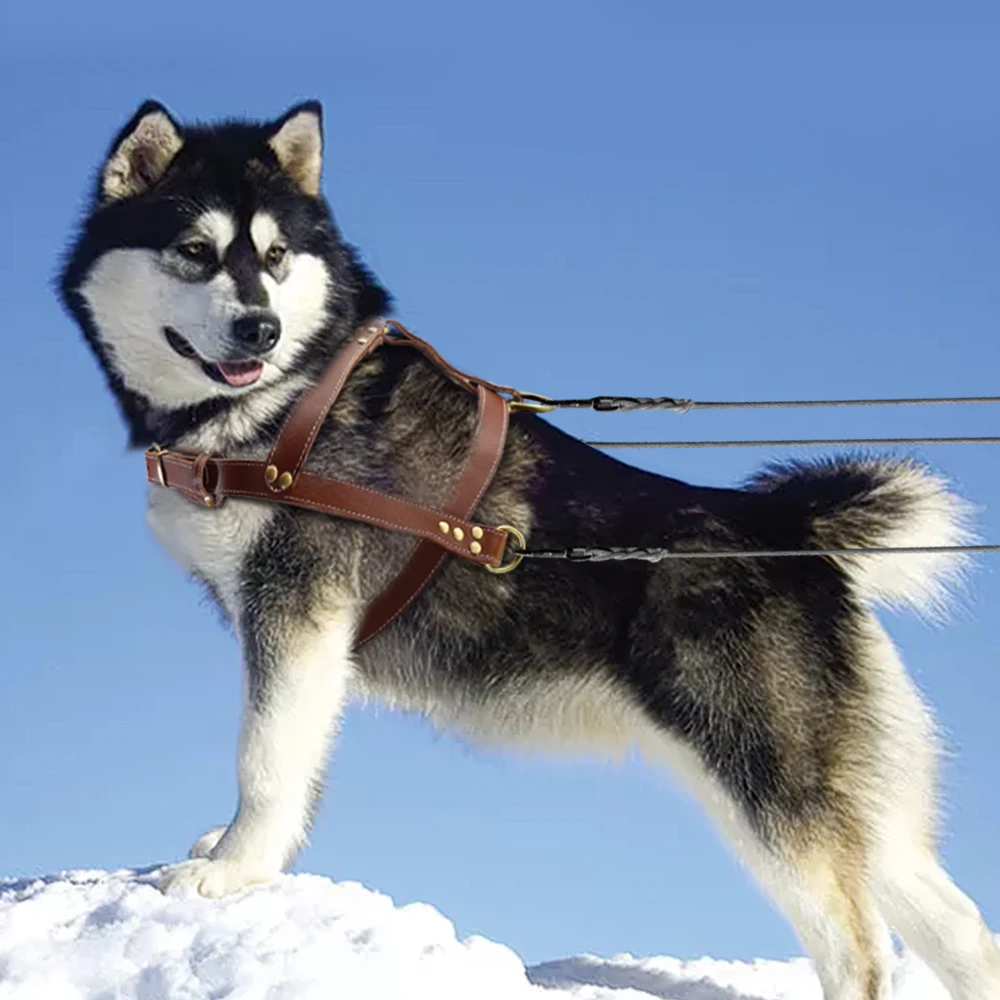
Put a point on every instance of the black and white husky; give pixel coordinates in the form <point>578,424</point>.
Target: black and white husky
<point>213,286</point>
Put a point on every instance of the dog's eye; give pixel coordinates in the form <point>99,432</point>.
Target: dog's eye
<point>276,255</point>
<point>197,251</point>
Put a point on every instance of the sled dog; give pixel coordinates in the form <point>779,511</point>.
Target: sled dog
<point>213,285</point>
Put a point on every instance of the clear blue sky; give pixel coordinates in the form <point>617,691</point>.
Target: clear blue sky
<point>714,200</point>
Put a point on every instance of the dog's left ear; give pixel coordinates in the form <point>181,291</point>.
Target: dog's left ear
<point>296,140</point>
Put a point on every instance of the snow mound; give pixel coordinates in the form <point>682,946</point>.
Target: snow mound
<point>114,936</point>
<point>629,978</point>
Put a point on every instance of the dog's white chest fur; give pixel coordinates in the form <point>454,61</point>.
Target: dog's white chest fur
<point>212,544</point>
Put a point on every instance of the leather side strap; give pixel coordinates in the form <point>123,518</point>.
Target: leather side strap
<point>224,477</point>
<point>298,433</point>
<point>477,473</point>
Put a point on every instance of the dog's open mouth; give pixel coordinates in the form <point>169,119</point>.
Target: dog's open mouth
<point>234,373</point>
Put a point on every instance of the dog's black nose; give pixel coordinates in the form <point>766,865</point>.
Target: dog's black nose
<point>258,332</point>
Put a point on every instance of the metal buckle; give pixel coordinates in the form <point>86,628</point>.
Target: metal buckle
<point>510,531</point>
<point>209,496</point>
<point>158,451</point>
<point>541,404</point>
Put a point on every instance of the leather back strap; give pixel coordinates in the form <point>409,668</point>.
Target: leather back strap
<point>210,480</point>
<point>402,337</point>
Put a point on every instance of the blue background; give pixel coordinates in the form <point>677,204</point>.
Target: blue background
<point>716,200</point>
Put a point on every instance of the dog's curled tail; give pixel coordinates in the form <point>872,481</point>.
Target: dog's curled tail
<point>864,502</point>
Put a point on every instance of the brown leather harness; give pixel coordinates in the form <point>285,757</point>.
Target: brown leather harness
<point>281,477</point>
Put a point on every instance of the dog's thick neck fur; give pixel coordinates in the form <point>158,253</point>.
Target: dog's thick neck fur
<point>143,202</point>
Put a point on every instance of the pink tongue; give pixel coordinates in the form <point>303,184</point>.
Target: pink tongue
<point>241,372</point>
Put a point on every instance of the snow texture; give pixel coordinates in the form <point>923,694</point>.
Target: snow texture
<point>114,936</point>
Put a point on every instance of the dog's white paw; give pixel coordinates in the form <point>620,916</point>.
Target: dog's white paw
<point>213,877</point>
<point>205,844</point>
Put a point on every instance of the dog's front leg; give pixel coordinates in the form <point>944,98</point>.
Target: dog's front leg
<point>295,686</point>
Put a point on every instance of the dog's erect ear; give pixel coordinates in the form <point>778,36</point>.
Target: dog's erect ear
<point>141,154</point>
<point>296,140</point>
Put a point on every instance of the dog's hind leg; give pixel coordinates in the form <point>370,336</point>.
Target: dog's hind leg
<point>766,719</point>
<point>818,880</point>
<point>825,897</point>
<point>297,678</point>
<point>916,896</point>
<point>939,922</point>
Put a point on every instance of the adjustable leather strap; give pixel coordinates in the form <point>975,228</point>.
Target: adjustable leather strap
<point>210,480</point>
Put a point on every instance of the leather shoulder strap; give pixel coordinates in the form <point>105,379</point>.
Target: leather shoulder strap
<point>477,473</point>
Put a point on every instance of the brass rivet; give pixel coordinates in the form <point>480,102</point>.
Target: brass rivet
<point>459,534</point>
<point>270,474</point>
<point>444,527</point>
<point>208,500</point>
<point>477,532</point>
<point>284,481</point>
<point>475,548</point>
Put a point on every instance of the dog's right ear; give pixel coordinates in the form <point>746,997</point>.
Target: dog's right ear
<point>141,153</point>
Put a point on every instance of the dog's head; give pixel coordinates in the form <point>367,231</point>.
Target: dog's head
<point>209,266</point>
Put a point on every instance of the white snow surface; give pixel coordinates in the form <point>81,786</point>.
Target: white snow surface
<point>114,936</point>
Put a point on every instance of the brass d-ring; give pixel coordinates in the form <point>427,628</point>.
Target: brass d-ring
<point>510,530</point>
<point>532,402</point>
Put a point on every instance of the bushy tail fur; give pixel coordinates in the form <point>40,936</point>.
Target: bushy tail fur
<point>880,503</point>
